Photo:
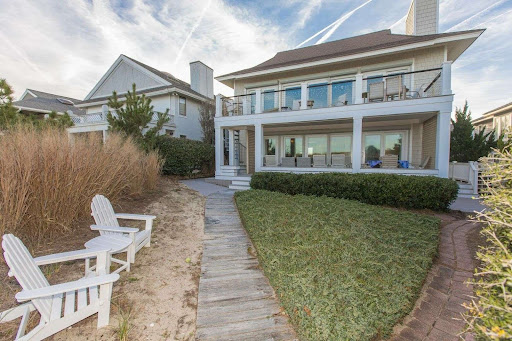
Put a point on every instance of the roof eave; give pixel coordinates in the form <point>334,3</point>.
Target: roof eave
<point>229,78</point>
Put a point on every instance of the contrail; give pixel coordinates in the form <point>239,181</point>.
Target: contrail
<point>474,15</point>
<point>196,25</point>
<point>492,19</point>
<point>340,21</point>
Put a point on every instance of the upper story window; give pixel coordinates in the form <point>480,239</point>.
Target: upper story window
<point>183,106</point>
<point>269,100</point>
<point>341,93</point>
<point>292,97</point>
<point>317,96</point>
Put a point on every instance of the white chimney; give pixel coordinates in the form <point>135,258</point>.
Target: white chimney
<point>423,18</point>
<point>201,78</point>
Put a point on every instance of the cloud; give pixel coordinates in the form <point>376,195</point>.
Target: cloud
<point>66,46</point>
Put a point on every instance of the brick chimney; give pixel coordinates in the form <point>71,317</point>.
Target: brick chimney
<point>423,18</point>
<point>201,78</point>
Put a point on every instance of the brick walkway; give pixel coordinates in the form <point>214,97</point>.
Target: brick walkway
<point>437,314</point>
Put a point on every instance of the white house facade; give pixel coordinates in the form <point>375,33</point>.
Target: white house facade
<point>165,91</point>
<point>375,103</point>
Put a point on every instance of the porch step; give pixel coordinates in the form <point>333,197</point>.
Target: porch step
<point>241,184</point>
<point>465,190</point>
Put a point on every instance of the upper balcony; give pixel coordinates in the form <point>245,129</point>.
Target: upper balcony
<point>376,87</point>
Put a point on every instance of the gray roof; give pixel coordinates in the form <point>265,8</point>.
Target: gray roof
<point>343,47</point>
<point>48,102</point>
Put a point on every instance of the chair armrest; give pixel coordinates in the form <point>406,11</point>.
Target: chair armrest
<point>51,290</point>
<point>71,255</point>
<point>14,313</point>
<point>114,229</point>
<point>130,216</point>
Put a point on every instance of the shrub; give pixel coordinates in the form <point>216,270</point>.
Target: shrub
<point>377,189</point>
<point>183,157</point>
<point>490,318</point>
<point>47,181</point>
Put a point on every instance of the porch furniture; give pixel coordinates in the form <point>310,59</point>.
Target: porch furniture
<point>107,223</point>
<point>364,96</point>
<point>310,103</point>
<point>374,163</point>
<point>56,303</point>
<point>270,160</point>
<point>338,161</point>
<point>285,108</point>
<point>423,163</point>
<point>296,104</point>
<point>303,162</point>
<point>342,100</point>
<point>288,162</point>
<point>319,161</point>
<point>389,161</point>
<point>376,91</point>
<point>116,244</point>
<point>403,163</point>
<point>394,87</point>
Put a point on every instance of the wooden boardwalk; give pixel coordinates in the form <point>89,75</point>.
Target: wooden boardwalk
<point>236,301</point>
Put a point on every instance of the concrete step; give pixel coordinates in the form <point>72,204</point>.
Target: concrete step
<point>240,182</point>
<point>243,188</point>
<point>467,196</point>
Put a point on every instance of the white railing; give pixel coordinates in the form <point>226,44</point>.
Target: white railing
<point>467,172</point>
<point>391,87</point>
<point>102,118</point>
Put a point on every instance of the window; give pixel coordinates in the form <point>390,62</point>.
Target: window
<point>183,136</point>
<point>169,132</point>
<point>269,103</point>
<point>293,146</point>
<point>253,103</point>
<point>270,146</point>
<point>292,95</point>
<point>341,91</point>
<point>183,106</point>
<point>377,79</point>
<point>317,145</point>
<point>393,145</point>
<point>371,147</point>
<point>318,94</point>
<point>341,144</point>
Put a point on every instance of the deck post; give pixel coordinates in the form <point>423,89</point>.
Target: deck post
<point>359,88</point>
<point>443,144</point>
<point>231,133</point>
<point>303,95</point>
<point>219,155</point>
<point>357,132</point>
<point>218,105</point>
<point>446,77</point>
<point>258,147</point>
<point>257,105</point>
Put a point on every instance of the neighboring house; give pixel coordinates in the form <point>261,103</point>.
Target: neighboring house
<point>166,92</point>
<point>38,103</point>
<point>499,119</point>
<point>346,105</point>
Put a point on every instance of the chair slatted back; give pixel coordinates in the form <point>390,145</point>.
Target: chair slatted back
<point>288,162</point>
<point>393,85</point>
<point>270,160</point>
<point>338,160</point>
<point>390,161</point>
<point>27,273</point>
<point>319,161</point>
<point>103,213</point>
<point>376,91</point>
<point>303,162</point>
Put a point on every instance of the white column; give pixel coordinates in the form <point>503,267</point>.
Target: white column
<point>357,133</point>
<point>105,135</point>
<point>258,147</point>
<point>231,147</point>
<point>104,111</point>
<point>359,88</point>
<point>257,106</point>
<point>446,77</point>
<point>219,155</point>
<point>218,105</point>
<point>303,95</point>
<point>443,144</point>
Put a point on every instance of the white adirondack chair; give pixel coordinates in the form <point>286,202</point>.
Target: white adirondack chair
<point>92,293</point>
<point>107,224</point>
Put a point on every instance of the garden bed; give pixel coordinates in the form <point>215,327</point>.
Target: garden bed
<point>343,270</point>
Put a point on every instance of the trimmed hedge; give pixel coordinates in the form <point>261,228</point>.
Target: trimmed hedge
<point>183,157</point>
<point>393,190</point>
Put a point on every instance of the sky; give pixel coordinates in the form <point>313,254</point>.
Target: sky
<point>65,46</point>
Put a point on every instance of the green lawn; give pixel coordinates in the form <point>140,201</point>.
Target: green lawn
<point>343,270</point>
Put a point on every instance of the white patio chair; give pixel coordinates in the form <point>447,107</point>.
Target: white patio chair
<point>394,87</point>
<point>319,161</point>
<point>56,303</point>
<point>303,162</point>
<point>376,91</point>
<point>342,100</point>
<point>270,161</point>
<point>338,161</point>
<point>296,104</point>
<point>287,162</point>
<point>423,163</point>
<point>389,161</point>
<point>107,224</point>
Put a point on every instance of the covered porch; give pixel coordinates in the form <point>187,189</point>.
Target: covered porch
<point>409,144</point>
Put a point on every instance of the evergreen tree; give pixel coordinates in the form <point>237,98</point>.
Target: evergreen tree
<point>8,113</point>
<point>466,145</point>
<point>206,120</point>
<point>132,118</point>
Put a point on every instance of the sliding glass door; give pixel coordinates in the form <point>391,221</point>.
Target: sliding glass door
<point>293,146</point>
<point>384,143</point>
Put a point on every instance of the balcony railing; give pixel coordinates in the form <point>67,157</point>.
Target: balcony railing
<point>398,86</point>
<point>102,118</point>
